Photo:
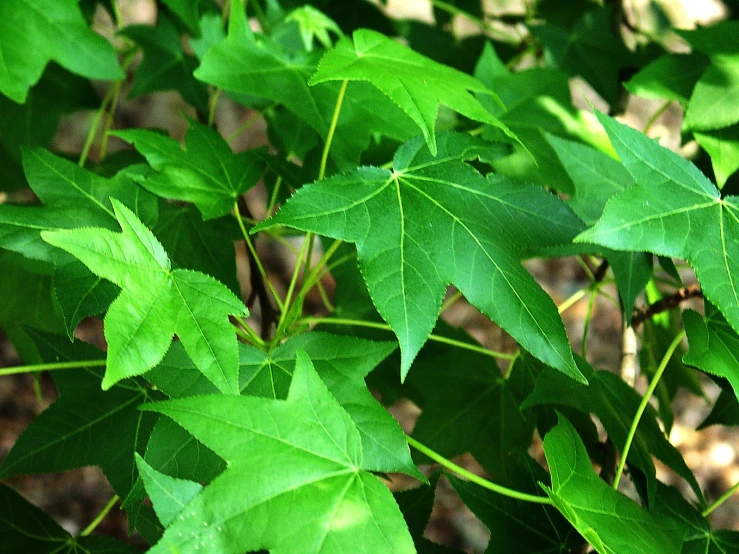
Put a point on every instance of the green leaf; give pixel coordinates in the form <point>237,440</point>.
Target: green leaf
<point>673,210</point>
<point>725,411</point>
<point>37,31</point>
<point>155,303</point>
<point>85,426</point>
<point>595,509</point>
<point>34,122</point>
<point>256,65</point>
<point>186,11</point>
<point>671,76</point>
<point>418,227</point>
<point>204,246</point>
<point>632,271</point>
<point>168,495</point>
<point>206,173</point>
<point>416,505</point>
<point>313,23</point>
<point>615,403</point>
<point>517,526</point>
<point>415,83</point>
<point>72,197</point>
<point>28,302</point>
<point>165,66</point>
<point>713,346</point>
<point>698,537</point>
<point>26,528</point>
<point>341,361</point>
<point>465,398</point>
<point>723,147</point>
<point>318,480</point>
<point>589,49</point>
<point>713,104</point>
<point>596,176</point>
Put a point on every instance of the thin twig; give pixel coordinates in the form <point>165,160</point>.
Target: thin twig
<point>643,313</point>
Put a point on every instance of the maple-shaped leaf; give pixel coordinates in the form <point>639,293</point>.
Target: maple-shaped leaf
<point>596,510</point>
<point>72,197</point>
<point>36,31</point>
<point>342,362</point>
<point>313,23</point>
<point>165,66</point>
<point>431,221</point>
<point>207,173</point>
<point>414,82</point>
<point>155,303</point>
<point>60,438</point>
<point>256,65</point>
<point>315,495</point>
<point>673,210</point>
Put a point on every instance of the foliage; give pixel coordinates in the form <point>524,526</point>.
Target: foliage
<point>228,413</point>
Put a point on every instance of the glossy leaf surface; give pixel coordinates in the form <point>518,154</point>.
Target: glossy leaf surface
<point>155,303</point>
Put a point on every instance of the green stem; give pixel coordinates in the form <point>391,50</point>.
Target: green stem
<point>212,106</point>
<point>250,246</point>
<point>432,337</point>
<point>489,485</point>
<point>723,498</point>
<point>586,324</point>
<point>332,130</point>
<point>656,115</point>
<point>274,196</point>
<point>643,405</point>
<point>450,301</point>
<point>37,368</point>
<point>572,300</point>
<point>285,315</point>
<point>104,512</point>
<point>248,334</point>
<point>261,16</point>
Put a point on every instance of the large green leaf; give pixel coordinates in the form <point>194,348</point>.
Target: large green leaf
<point>317,496</point>
<point>206,173</point>
<point>597,511</point>
<point>165,66</point>
<point>257,66</point>
<point>415,83</point>
<point>673,210</point>
<point>615,403</point>
<point>713,345</point>
<point>155,303</point>
<point>341,361</point>
<point>26,528</point>
<point>85,426</point>
<point>36,31</point>
<point>431,221</point>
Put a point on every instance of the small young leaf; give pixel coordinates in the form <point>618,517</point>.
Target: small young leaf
<point>207,173</point>
<point>418,227</point>
<point>37,31</point>
<point>155,303</point>
<point>415,83</point>
<point>595,509</point>
<point>316,484</point>
<point>723,147</point>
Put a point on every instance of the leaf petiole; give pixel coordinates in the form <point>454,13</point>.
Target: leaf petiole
<point>332,130</point>
<point>643,405</point>
<point>489,485</point>
<point>104,512</point>
<point>432,337</point>
<point>37,368</point>
<point>723,498</point>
